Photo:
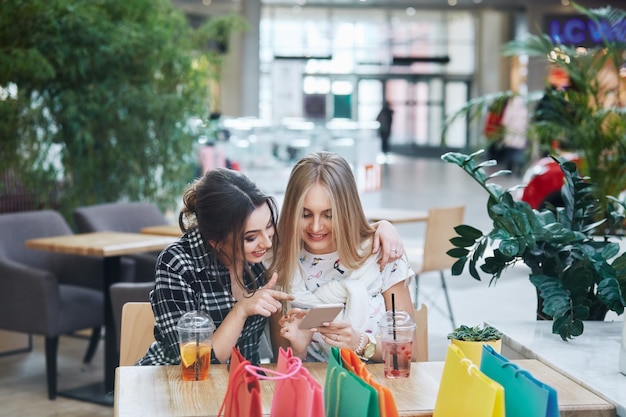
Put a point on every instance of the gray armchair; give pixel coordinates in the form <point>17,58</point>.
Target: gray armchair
<point>124,292</point>
<point>123,217</point>
<point>47,293</point>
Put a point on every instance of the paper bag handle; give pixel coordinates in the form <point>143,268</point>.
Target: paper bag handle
<point>294,366</point>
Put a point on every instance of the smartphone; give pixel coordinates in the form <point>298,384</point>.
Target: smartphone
<point>322,313</point>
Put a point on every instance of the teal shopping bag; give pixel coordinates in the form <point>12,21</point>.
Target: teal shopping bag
<point>346,394</point>
<point>524,395</point>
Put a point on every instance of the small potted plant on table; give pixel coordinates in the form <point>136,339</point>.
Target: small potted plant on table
<point>471,340</point>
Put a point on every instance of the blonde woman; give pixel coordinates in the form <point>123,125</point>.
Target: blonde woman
<point>326,256</point>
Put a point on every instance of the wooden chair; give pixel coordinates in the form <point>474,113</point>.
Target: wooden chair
<point>137,332</point>
<point>439,230</point>
<point>420,340</point>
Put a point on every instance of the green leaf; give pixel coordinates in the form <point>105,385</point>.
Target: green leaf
<point>521,220</point>
<point>581,312</point>
<point>493,265</point>
<point>494,189</point>
<point>458,266</point>
<point>488,163</point>
<point>475,334</point>
<point>610,250</point>
<point>509,247</point>
<point>457,252</point>
<point>555,296</point>
<point>567,327</point>
<point>479,250</point>
<point>462,242</point>
<point>455,158</point>
<point>468,232</point>
<point>473,271</point>
<point>499,234</point>
<point>507,224</point>
<point>499,173</point>
<point>619,263</point>
<point>610,293</point>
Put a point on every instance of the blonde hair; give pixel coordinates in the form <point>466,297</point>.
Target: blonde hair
<point>350,227</point>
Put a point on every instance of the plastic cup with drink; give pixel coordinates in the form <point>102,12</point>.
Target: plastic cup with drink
<point>396,331</point>
<point>195,331</point>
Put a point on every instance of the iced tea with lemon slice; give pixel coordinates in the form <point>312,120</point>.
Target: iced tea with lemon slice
<point>195,361</point>
<point>195,332</point>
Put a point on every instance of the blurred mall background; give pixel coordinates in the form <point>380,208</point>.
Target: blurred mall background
<point>326,59</point>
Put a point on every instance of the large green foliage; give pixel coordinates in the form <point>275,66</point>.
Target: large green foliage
<point>579,276</point>
<point>589,117</point>
<point>94,99</point>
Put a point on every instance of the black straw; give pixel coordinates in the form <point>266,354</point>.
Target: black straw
<point>393,323</point>
<point>196,363</point>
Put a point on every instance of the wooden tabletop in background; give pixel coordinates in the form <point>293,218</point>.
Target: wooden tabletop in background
<point>163,230</point>
<point>101,243</point>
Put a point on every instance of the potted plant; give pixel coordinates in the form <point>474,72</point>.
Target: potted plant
<point>102,116</point>
<point>575,267</point>
<point>586,116</point>
<point>471,340</point>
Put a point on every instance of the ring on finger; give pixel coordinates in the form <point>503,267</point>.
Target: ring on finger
<point>394,250</point>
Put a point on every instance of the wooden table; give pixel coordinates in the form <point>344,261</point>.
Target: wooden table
<point>590,359</point>
<point>160,391</point>
<point>163,230</point>
<point>396,215</point>
<point>110,246</point>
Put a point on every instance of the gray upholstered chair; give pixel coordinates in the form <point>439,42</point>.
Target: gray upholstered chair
<point>123,217</point>
<point>124,292</point>
<point>47,293</point>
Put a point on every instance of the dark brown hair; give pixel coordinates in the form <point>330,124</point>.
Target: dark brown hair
<point>219,205</point>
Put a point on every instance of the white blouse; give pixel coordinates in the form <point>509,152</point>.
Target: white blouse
<point>318,270</point>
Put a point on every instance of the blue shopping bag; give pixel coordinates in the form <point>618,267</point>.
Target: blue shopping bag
<point>524,395</point>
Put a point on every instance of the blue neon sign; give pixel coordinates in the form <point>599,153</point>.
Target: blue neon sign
<point>579,30</point>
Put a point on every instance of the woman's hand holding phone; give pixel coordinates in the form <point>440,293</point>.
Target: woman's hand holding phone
<point>320,314</point>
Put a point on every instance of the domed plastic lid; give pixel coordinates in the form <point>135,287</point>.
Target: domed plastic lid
<point>403,320</point>
<point>195,320</point>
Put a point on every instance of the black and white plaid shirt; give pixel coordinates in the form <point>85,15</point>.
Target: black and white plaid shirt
<point>183,271</point>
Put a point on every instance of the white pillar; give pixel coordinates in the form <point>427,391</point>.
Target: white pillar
<point>239,95</point>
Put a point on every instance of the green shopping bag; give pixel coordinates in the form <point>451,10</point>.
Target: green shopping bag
<point>346,394</point>
<point>523,394</point>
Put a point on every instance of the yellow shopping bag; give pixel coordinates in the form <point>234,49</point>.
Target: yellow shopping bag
<point>465,391</point>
